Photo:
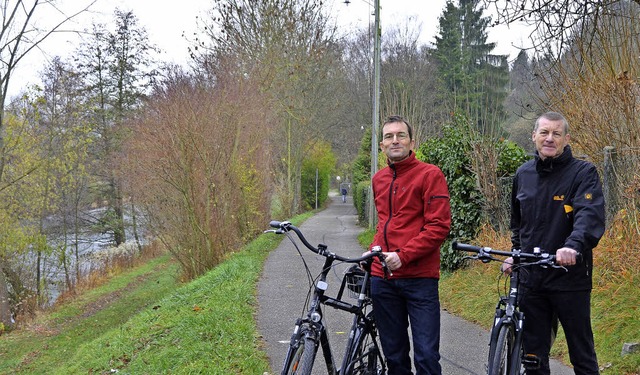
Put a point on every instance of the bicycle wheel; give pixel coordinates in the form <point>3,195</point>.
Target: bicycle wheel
<point>364,355</point>
<point>516,359</point>
<point>301,357</point>
<point>500,351</point>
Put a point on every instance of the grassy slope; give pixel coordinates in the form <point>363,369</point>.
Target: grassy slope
<point>54,337</point>
<point>143,322</point>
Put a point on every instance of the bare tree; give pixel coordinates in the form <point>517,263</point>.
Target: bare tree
<point>19,36</point>
<point>288,45</point>
<point>409,80</point>
<point>554,21</point>
<point>198,164</point>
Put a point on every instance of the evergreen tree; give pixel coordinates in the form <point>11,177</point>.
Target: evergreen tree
<point>474,80</point>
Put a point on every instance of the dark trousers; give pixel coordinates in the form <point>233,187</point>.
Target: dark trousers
<point>398,302</point>
<point>573,310</point>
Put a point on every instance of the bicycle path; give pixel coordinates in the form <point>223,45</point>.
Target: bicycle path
<point>283,287</point>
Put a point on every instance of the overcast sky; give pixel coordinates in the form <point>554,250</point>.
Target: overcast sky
<point>166,20</point>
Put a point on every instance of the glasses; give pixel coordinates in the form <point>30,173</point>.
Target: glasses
<point>401,136</point>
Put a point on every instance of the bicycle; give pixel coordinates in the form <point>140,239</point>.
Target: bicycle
<point>506,352</point>
<point>363,355</point>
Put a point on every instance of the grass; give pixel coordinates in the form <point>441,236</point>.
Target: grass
<point>54,336</point>
<point>143,322</point>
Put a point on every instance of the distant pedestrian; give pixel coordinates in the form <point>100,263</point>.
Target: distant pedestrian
<point>344,195</point>
<point>414,217</point>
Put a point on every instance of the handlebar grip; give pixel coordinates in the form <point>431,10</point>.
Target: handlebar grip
<point>455,245</point>
<point>275,224</point>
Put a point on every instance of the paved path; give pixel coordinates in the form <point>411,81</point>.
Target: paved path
<point>282,291</point>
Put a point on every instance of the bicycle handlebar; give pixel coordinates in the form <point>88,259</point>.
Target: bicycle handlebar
<point>486,254</point>
<point>286,226</point>
<point>484,251</point>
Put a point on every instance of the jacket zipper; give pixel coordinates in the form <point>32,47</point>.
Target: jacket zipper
<point>436,197</point>
<point>391,187</point>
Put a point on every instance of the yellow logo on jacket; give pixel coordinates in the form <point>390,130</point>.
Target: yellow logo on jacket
<point>558,197</point>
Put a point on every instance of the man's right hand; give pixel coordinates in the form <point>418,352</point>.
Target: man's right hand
<point>506,266</point>
<point>393,260</point>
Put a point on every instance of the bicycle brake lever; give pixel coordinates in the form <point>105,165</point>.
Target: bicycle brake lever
<point>385,268</point>
<point>557,266</point>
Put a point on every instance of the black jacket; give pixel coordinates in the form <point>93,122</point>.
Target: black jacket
<point>555,203</point>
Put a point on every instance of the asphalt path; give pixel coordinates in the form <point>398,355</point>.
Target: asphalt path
<point>283,287</point>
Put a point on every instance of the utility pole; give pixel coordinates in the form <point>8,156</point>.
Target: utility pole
<point>373,217</point>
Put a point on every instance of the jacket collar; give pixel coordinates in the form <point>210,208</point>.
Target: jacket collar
<point>546,166</point>
<point>405,164</point>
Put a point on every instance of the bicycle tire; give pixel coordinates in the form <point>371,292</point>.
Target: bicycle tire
<point>516,359</point>
<point>304,355</point>
<point>500,351</point>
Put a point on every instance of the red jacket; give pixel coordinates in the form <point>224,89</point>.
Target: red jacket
<point>414,216</point>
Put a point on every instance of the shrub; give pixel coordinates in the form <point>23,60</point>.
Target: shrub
<point>452,152</point>
<point>319,159</point>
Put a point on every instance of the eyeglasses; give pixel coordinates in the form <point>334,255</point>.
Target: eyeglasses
<point>401,136</point>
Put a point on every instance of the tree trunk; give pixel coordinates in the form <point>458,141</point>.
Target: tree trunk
<point>5,306</point>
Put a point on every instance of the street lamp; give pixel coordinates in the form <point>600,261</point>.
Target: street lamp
<point>376,113</point>
<point>375,108</point>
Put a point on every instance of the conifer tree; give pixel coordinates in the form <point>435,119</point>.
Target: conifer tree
<point>474,80</point>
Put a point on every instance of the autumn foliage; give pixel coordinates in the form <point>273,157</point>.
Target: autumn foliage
<point>198,169</point>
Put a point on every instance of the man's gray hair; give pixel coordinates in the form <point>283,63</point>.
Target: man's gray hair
<point>553,116</point>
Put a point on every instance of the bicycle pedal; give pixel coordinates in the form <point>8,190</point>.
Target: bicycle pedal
<point>530,362</point>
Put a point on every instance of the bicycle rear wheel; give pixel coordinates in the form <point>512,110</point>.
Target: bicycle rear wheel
<point>365,357</point>
<point>301,357</point>
<point>500,351</point>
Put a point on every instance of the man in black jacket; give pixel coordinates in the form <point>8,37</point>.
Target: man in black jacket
<point>557,204</point>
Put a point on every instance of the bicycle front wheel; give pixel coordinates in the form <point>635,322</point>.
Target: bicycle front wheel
<point>301,357</point>
<point>500,351</point>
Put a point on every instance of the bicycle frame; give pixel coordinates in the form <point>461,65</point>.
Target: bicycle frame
<point>507,313</point>
<point>314,318</point>
<point>363,324</point>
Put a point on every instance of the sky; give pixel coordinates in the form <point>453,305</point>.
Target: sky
<point>166,21</point>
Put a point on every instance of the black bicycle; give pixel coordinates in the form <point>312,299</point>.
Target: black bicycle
<point>506,353</point>
<point>362,354</point>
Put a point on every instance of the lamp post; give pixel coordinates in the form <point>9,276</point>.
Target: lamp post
<point>373,217</point>
<point>375,112</point>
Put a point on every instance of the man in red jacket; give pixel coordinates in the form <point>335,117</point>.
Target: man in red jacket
<point>414,217</point>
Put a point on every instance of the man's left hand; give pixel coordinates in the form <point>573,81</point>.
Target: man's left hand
<point>566,256</point>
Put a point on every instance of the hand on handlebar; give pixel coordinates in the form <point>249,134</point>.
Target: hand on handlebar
<point>385,262</point>
<point>506,266</point>
<point>566,256</point>
<point>393,260</point>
